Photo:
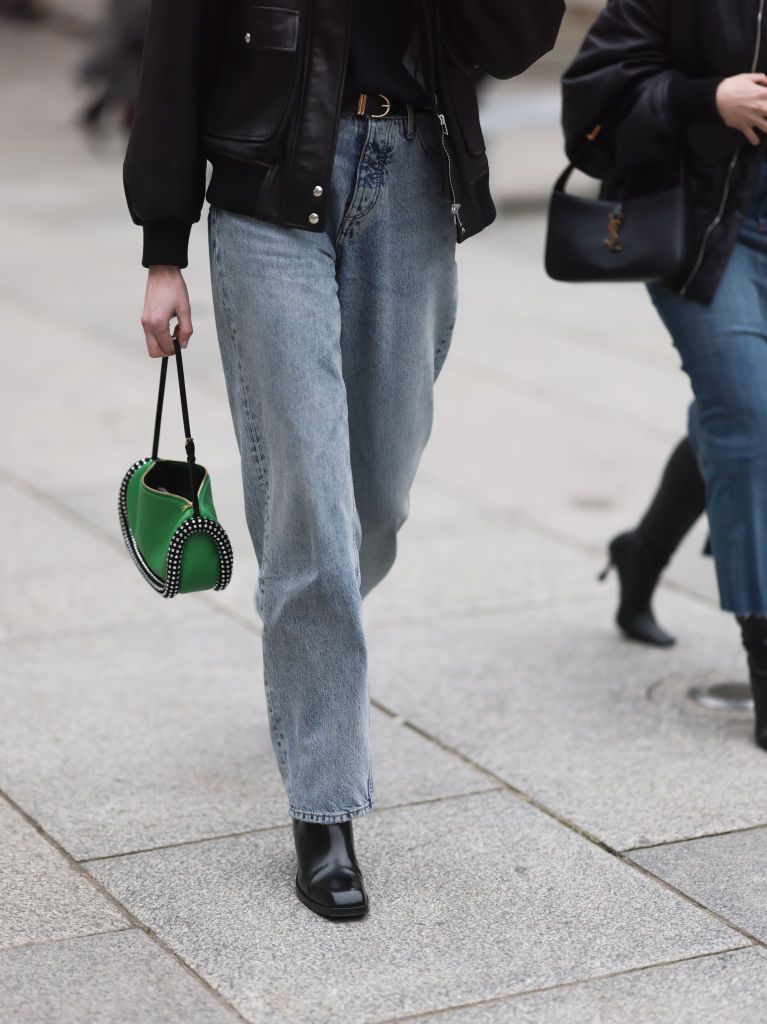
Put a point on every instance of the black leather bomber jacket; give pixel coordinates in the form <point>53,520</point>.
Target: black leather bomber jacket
<point>648,73</point>
<point>255,88</point>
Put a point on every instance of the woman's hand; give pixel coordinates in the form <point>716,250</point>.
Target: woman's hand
<point>166,298</point>
<point>742,104</point>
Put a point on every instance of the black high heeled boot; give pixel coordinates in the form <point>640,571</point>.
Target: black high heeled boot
<point>641,555</point>
<point>639,570</point>
<point>329,880</point>
<point>754,632</point>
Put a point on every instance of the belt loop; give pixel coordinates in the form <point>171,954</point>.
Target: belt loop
<point>410,121</point>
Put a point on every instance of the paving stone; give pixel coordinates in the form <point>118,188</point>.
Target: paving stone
<point>483,566</point>
<point>545,409</point>
<point>727,873</point>
<point>510,451</point>
<point>42,897</point>
<point>595,727</point>
<point>470,899</point>
<point>79,601</point>
<point>154,734</point>
<point>723,989</point>
<point>42,541</point>
<point>61,577</point>
<point>121,978</point>
<point>115,401</point>
<point>558,407</point>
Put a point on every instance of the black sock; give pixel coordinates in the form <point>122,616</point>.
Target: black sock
<point>677,505</point>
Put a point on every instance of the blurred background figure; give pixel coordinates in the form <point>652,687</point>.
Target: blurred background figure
<point>113,65</point>
<point>22,10</point>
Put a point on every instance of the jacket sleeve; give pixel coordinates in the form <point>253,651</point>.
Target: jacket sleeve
<point>503,37</point>
<point>623,78</point>
<point>164,170</point>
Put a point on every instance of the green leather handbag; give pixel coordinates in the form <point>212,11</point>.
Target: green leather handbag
<point>167,514</point>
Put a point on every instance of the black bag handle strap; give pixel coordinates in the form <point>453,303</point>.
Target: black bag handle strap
<point>160,401</point>
<point>189,442</point>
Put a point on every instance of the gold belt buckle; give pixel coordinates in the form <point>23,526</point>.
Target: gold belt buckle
<point>363,102</point>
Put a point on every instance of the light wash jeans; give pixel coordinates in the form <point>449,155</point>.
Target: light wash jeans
<point>724,352</point>
<point>331,343</point>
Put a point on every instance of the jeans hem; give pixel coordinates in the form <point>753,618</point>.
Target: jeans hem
<point>332,819</point>
<point>733,609</point>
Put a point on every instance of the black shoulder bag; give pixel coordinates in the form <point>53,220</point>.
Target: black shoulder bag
<point>643,238</point>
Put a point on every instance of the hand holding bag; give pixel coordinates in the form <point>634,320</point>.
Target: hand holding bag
<point>167,514</point>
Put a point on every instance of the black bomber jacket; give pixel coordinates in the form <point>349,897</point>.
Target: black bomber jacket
<point>648,72</point>
<point>255,88</point>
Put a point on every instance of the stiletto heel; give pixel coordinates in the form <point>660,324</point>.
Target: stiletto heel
<point>606,571</point>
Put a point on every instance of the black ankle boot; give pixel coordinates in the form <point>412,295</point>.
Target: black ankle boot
<point>329,880</point>
<point>754,632</point>
<point>639,569</point>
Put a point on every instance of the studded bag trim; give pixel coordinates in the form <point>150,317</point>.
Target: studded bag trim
<point>168,519</point>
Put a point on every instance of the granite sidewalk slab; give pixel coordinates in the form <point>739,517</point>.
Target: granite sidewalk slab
<point>42,897</point>
<point>723,989</point>
<point>471,899</point>
<point>727,873</point>
<point>129,723</point>
<point>554,702</point>
<point>157,733</point>
<point>120,978</point>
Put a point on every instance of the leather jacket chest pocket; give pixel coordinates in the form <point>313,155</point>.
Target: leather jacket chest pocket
<point>258,72</point>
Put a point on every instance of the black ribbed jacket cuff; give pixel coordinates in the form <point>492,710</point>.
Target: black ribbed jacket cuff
<point>693,99</point>
<point>166,243</point>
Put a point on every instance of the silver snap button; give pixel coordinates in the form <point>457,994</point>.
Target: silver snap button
<point>247,37</point>
<point>314,218</point>
<point>317,191</point>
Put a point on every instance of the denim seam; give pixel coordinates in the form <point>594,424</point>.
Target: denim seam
<point>260,459</point>
<point>353,506</point>
<point>275,718</point>
<point>443,347</point>
<point>348,219</point>
<point>371,795</point>
<point>440,353</point>
<point>261,462</point>
<point>263,477</point>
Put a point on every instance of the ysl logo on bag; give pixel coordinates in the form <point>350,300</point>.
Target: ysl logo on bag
<point>614,226</point>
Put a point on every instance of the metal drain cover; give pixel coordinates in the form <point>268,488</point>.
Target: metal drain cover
<point>723,697</point>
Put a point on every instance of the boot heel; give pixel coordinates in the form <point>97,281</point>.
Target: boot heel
<point>606,571</point>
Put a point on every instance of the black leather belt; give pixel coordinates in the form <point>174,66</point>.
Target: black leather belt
<point>376,105</point>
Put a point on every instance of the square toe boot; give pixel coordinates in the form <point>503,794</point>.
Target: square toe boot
<point>328,880</point>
